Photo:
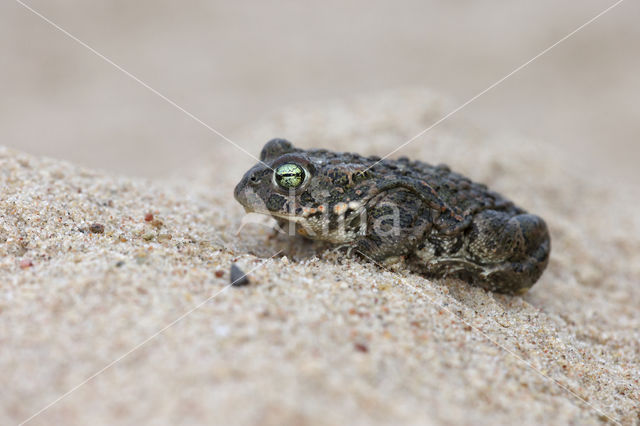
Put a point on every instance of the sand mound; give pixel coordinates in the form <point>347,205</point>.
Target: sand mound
<point>88,274</point>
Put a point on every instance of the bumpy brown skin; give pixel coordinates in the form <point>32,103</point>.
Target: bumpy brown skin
<point>438,221</point>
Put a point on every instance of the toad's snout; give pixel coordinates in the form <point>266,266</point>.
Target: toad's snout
<point>247,191</point>
<point>238,191</point>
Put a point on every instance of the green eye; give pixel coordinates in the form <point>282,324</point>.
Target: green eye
<point>289,175</point>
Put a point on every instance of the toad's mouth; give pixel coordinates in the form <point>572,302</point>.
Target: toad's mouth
<point>292,217</point>
<point>289,217</point>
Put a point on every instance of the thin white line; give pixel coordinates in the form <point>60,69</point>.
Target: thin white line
<point>139,345</point>
<point>433,302</point>
<point>128,74</point>
<point>498,82</point>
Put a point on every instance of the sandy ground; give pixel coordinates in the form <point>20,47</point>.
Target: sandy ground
<point>314,339</point>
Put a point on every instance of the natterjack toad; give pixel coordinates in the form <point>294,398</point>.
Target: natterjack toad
<point>438,221</point>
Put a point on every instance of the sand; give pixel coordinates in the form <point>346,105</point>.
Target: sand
<point>314,339</point>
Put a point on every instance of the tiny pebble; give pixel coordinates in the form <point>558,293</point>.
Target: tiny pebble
<point>238,277</point>
<point>26,263</point>
<point>97,228</point>
<point>361,347</point>
<point>219,273</point>
<point>164,237</point>
<point>148,217</point>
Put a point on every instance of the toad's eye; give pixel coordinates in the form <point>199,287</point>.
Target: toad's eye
<point>289,175</point>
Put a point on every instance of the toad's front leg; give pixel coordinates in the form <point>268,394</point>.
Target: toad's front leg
<point>397,221</point>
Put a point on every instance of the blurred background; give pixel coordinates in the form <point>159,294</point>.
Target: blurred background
<point>232,63</point>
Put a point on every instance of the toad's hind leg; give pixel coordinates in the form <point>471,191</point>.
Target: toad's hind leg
<point>512,251</point>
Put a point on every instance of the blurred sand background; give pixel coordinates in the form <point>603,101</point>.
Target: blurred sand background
<point>232,63</point>
<point>315,339</point>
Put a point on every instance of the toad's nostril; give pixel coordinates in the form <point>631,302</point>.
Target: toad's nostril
<point>253,179</point>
